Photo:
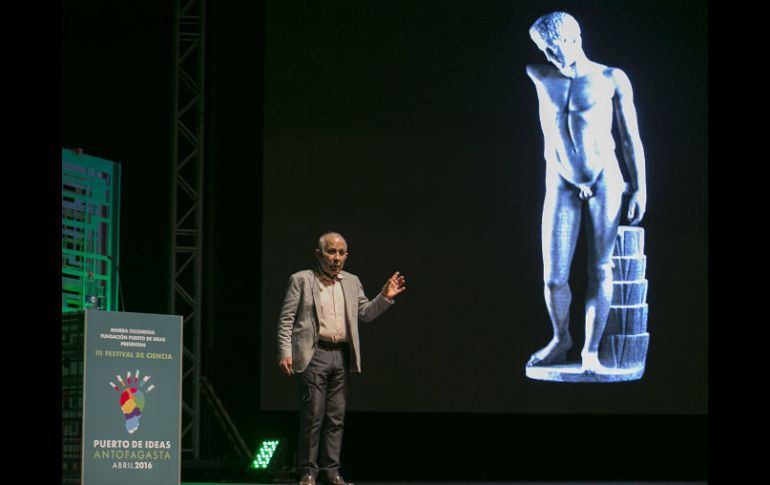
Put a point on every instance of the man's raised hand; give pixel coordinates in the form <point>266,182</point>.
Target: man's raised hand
<point>394,286</point>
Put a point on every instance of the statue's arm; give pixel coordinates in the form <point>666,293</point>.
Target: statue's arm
<point>631,141</point>
<point>537,73</point>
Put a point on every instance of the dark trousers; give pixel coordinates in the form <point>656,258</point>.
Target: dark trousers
<point>322,392</point>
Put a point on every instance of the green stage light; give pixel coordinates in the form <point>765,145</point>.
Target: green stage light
<point>264,454</point>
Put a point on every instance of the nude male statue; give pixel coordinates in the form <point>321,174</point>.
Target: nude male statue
<point>577,98</point>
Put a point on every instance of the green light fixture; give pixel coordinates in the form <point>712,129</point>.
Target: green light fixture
<point>264,454</point>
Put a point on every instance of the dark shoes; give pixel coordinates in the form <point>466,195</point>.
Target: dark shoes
<point>307,480</point>
<point>337,480</point>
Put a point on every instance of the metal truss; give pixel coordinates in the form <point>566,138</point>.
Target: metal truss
<point>187,207</point>
<point>187,223</point>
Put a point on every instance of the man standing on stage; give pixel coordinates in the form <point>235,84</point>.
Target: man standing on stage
<point>576,98</point>
<point>318,342</point>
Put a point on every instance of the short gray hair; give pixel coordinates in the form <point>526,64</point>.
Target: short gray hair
<point>327,234</point>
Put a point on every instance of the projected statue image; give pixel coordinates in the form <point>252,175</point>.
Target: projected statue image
<point>578,100</point>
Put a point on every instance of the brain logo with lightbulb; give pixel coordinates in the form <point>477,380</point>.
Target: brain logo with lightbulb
<point>132,398</point>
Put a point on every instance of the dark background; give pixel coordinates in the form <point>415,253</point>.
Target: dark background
<point>411,128</point>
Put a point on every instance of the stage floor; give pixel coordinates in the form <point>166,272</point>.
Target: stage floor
<point>469,483</point>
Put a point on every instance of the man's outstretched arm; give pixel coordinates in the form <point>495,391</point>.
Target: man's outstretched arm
<point>369,310</point>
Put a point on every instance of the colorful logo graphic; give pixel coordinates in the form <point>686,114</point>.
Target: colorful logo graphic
<point>132,398</point>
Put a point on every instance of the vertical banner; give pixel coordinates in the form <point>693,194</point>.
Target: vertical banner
<point>132,388</point>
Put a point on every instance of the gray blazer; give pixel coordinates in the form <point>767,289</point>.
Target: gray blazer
<point>298,327</point>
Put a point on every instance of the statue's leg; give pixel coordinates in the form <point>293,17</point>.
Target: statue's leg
<point>560,226</point>
<point>601,230</point>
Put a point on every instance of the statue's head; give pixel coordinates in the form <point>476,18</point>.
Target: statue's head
<point>557,34</point>
<point>555,26</point>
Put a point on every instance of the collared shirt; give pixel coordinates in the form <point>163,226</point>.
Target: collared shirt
<point>331,312</point>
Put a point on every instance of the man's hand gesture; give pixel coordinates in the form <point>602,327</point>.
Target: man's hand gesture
<point>394,286</point>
